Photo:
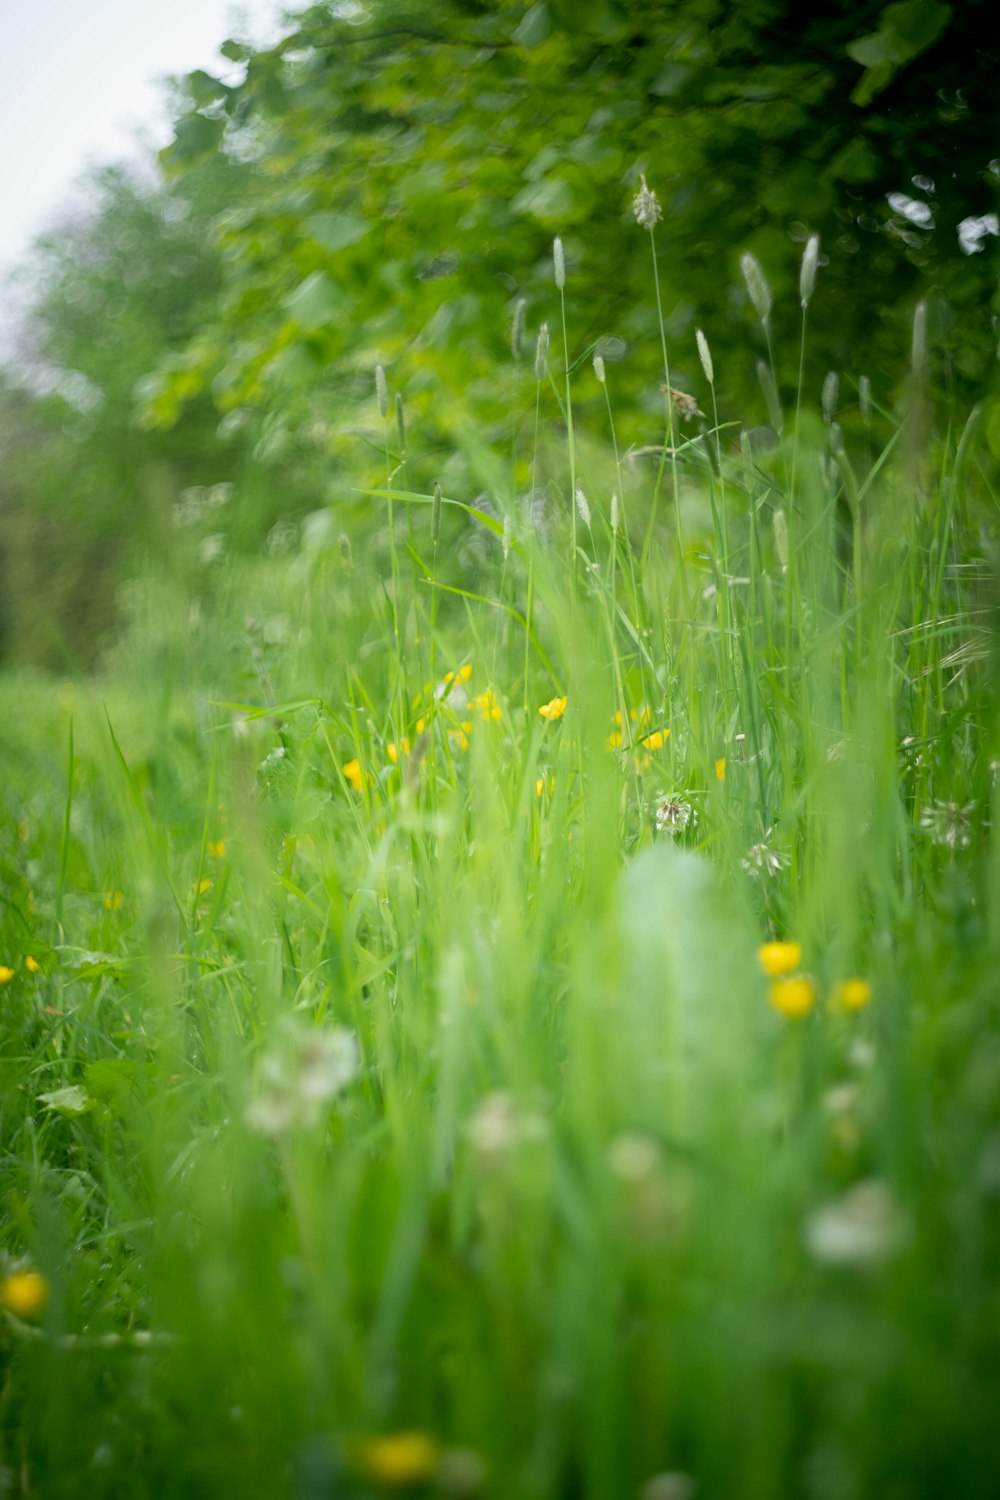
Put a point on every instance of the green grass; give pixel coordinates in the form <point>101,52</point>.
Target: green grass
<point>589,1209</point>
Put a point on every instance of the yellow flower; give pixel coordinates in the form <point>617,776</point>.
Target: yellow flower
<point>793,997</point>
<point>779,958</point>
<point>852,994</point>
<point>540,785</point>
<point>113,900</point>
<point>32,965</point>
<point>203,886</point>
<point>720,770</point>
<point>399,1459</point>
<point>6,974</point>
<point>217,849</point>
<point>657,739</point>
<point>354,774</point>
<point>459,738</point>
<point>393,751</point>
<point>614,740</point>
<point>462,675</point>
<point>487,704</point>
<point>24,1293</point>
<point>554,709</point>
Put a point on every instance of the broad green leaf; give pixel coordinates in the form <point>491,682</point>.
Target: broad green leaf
<point>336,231</point>
<point>68,1101</point>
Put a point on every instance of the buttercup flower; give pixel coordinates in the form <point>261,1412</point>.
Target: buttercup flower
<point>24,1293</point>
<point>852,994</point>
<point>779,958</point>
<point>554,709</point>
<point>354,774</point>
<point>486,704</point>
<point>794,997</point>
<point>6,974</point>
<point>399,1459</point>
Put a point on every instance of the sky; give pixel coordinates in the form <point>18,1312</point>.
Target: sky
<point>81,79</point>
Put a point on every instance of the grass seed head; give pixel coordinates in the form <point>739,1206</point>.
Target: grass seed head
<point>807,275</point>
<point>381,391</point>
<point>646,207</point>
<point>517,328</point>
<point>705,355</point>
<point>760,292</point>
<point>559,262</point>
<point>542,352</point>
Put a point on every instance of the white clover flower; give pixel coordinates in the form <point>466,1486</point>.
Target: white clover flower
<point>760,859</point>
<point>862,1227</point>
<point>948,823</point>
<point>309,1067</point>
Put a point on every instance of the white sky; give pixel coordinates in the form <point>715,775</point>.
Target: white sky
<point>79,82</point>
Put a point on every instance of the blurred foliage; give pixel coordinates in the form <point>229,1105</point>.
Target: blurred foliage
<point>383,185</point>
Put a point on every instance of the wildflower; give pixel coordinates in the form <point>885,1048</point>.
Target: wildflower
<point>657,739</point>
<point>671,1485</point>
<point>948,823</point>
<point>24,1293</point>
<point>203,886</point>
<point>399,1459</point>
<point>217,849</point>
<point>460,737</point>
<point>720,770</point>
<point>852,994</point>
<point>6,975</point>
<point>779,958</point>
<point>393,751</point>
<point>355,775</point>
<point>633,1158</point>
<point>672,814</point>
<point>554,709</point>
<point>461,1473</point>
<point>646,207</point>
<point>614,740</point>
<point>862,1227</point>
<point>794,997</point>
<point>113,900</point>
<point>540,785</point>
<point>487,704</point>
<point>32,965</point>
<point>310,1067</point>
<point>685,404</point>
<point>762,860</point>
<point>498,1125</point>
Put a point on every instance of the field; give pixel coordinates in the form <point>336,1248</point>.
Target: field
<point>499,995</point>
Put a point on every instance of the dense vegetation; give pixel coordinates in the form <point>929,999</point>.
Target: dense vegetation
<point>498,951</point>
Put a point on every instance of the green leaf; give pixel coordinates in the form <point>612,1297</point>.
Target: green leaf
<point>110,1081</point>
<point>337,231</point>
<point>906,30</point>
<point>69,1101</point>
<point>316,301</point>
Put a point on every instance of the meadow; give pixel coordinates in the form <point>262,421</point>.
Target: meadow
<point>499,993</point>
